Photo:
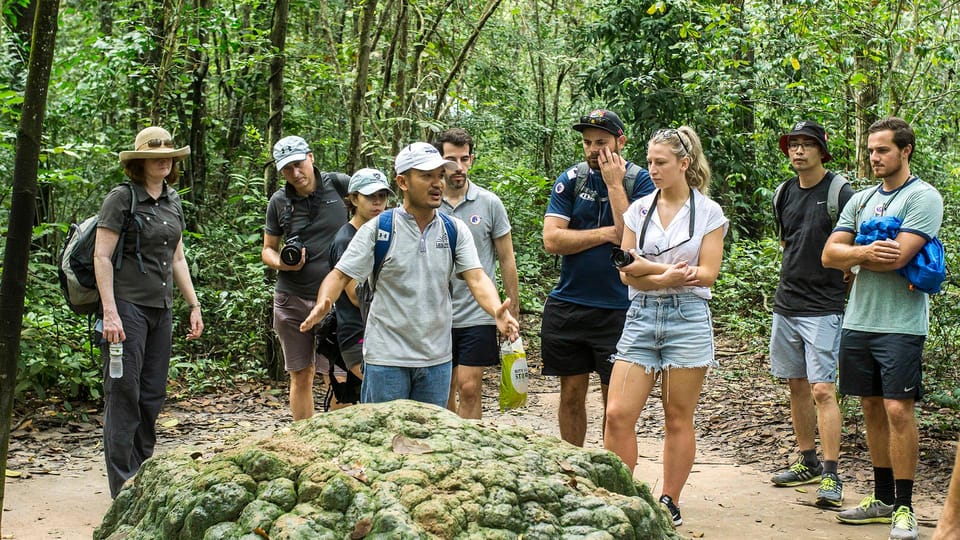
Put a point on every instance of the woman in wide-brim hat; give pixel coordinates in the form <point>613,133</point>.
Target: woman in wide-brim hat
<point>136,297</point>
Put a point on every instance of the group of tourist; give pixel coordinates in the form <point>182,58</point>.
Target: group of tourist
<point>419,315</point>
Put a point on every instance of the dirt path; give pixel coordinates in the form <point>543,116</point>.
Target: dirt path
<point>65,496</point>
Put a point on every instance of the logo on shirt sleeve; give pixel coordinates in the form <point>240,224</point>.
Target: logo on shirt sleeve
<point>558,188</point>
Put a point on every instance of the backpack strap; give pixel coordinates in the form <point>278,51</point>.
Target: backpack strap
<point>629,179</point>
<point>833,196</point>
<point>777,194</point>
<point>382,245</point>
<point>129,219</point>
<point>451,228</point>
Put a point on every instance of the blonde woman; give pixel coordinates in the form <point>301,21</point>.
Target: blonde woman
<point>674,243</point>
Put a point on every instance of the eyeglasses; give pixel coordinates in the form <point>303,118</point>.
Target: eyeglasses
<point>670,132</point>
<point>157,143</point>
<point>806,145</point>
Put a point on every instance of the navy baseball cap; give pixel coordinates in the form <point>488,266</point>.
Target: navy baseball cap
<point>601,119</point>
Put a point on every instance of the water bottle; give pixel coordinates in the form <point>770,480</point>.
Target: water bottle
<point>116,360</point>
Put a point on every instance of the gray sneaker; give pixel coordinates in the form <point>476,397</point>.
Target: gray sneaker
<point>830,492</point>
<point>797,474</point>
<point>905,525</point>
<point>870,510</point>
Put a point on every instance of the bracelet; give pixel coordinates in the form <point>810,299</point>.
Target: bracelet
<point>194,306</point>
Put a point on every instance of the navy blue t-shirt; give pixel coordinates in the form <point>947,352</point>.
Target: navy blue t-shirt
<point>587,278</point>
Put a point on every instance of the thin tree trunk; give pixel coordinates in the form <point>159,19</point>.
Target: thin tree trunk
<point>196,175</point>
<point>865,114</point>
<point>462,58</point>
<point>401,130</point>
<point>13,283</point>
<point>278,39</point>
<point>360,86</point>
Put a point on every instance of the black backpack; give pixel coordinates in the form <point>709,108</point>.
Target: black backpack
<point>78,281</point>
<point>328,345</point>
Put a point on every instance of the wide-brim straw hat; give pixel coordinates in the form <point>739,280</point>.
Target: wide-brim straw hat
<point>154,143</point>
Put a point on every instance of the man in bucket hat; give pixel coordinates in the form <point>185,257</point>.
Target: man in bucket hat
<point>808,309</point>
<point>584,314</point>
<point>407,346</point>
<point>306,213</point>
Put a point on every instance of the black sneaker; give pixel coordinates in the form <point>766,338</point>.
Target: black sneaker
<point>797,474</point>
<point>666,502</point>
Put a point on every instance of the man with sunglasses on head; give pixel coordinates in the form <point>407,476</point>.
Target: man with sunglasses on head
<point>584,314</point>
<point>808,309</point>
<point>306,212</point>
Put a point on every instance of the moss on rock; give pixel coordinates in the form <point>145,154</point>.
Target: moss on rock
<point>391,470</point>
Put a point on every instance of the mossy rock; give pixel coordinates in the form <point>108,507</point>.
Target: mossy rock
<point>392,470</point>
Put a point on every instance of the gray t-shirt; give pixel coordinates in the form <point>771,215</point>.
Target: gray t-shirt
<point>316,219</point>
<point>409,320</point>
<point>485,216</point>
<point>882,302</point>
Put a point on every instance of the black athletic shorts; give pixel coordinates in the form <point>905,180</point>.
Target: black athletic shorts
<point>881,365</point>
<point>577,339</point>
<point>476,346</point>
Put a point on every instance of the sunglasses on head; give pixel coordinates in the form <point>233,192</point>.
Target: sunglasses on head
<point>157,143</point>
<point>670,132</point>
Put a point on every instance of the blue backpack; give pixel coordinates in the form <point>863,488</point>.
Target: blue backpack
<point>366,289</point>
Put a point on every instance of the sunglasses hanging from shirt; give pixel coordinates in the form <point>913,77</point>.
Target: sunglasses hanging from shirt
<point>646,223</point>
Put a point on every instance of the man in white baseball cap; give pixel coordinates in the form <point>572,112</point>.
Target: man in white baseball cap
<point>407,347</point>
<point>303,216</point>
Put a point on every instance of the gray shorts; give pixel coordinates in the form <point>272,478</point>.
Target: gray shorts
<point>805,347</point>
<point>299,349</point>
<point>352,355</point>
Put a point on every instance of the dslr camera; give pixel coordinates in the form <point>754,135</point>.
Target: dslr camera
<point>620,258</point>
<point>292,251</point>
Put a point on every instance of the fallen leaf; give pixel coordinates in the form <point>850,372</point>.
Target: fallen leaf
<point>405,445</point>
<point>170,423</point>
<point>13,474</point>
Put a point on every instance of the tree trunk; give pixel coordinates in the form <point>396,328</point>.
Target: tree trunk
<point>357,102</point>
<point>866,97</point>
<point>401,131</point>
<point>13,284</point>
<point>195,177</point>
<point>278,38</point>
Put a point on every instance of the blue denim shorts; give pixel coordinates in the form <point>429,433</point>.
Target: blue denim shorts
<point>424,384</point>
<point>669,331</point>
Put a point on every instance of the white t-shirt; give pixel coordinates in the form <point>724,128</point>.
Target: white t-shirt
<point>708,216</point>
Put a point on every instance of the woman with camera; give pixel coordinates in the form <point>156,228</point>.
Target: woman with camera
<point>137,260</point>
<point>674,239</point>
<point>306,212</point>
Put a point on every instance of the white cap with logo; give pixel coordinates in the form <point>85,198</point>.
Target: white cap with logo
<point>421,156</point>
<point>368,182</point>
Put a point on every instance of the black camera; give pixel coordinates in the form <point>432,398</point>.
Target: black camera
<point>620,258</point>
<point>291,252</point>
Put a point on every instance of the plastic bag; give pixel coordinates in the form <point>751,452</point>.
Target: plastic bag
<point>513,375</point>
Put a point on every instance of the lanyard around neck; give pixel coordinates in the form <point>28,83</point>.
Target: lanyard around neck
<point>646,222</point>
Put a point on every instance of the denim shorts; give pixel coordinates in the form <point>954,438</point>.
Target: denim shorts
<point>424,384</point>
<point>668,331</point>
<point>805,347</point>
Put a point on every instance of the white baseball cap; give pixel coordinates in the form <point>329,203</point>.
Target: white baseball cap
<point>421,156</point>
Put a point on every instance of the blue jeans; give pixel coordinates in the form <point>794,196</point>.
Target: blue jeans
<point>424,384</point>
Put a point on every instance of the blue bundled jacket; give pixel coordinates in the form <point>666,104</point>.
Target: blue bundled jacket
<point>926,271</point>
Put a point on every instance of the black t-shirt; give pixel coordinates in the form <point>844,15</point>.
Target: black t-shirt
<point>349,322</point>
<point>316,219</point>
<point>806,288</point>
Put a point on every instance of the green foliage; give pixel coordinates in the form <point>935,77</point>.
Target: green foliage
<point>743,294</point>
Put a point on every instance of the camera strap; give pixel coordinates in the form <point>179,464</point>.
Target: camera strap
<point>653,206</point>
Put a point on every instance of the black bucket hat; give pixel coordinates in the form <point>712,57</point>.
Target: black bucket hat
<point>810,129</point>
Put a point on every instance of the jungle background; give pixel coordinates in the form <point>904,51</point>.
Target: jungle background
<point>360,79</point>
